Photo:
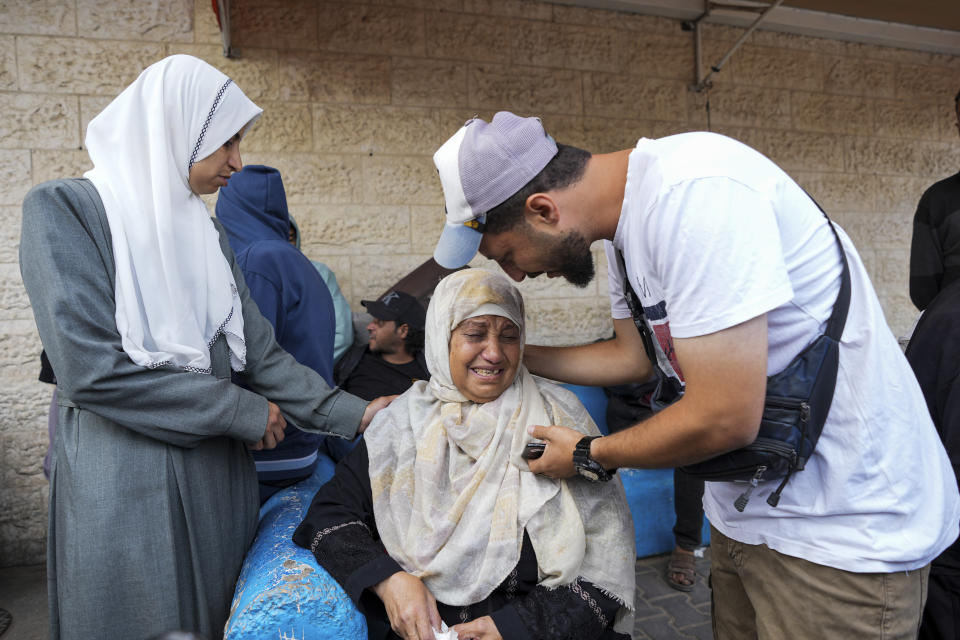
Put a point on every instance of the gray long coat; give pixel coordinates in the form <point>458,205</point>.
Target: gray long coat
<point>153,493</point>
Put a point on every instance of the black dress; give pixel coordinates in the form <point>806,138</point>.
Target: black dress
<point>340,531</point>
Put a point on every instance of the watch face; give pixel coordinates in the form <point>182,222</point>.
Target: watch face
<point>589,474</point>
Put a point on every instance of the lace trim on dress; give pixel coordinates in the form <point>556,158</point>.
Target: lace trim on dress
<point>568,611</point>
<point>594,607</point>
<point>512,584</point>
<point>323,532</point>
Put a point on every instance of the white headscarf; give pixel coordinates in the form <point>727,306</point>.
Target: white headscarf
<point>452,495</point>
<point>175,293</point>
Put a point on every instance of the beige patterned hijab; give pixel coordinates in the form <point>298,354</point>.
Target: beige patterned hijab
<point>451,494</point>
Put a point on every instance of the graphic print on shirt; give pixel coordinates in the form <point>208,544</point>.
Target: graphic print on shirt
<point>659,323</point>
<point>655,316</point>
<point>649,312</point>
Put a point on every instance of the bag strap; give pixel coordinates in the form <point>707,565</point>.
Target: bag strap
<point>838,318</point>
<point>636,311</point>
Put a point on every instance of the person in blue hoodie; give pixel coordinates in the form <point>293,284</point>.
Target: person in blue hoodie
<point>290,294</point>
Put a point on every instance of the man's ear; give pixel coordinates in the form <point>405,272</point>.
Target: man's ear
<point>403,329</point>
<point>541,211</point>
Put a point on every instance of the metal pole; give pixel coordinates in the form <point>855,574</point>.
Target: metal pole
<point>698,49</point>
<point>694,26</point>
<point>224,7</point>
<point>701,85</point>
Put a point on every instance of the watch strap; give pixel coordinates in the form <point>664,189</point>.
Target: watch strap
<point>587,466</point>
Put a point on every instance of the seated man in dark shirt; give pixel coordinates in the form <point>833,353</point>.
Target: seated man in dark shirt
<point>392,359</point>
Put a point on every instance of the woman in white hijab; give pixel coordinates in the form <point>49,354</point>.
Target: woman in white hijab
<point>436,515</point>
<point>144,316</point>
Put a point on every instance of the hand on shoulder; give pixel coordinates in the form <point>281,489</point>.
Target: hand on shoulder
<point>375,405</point>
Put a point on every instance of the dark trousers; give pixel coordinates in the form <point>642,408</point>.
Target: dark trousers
<point>941,616</point>
<point>688,506</point>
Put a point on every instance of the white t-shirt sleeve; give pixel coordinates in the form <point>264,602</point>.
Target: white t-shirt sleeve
<point>618,304</point>
<point>717,254</point>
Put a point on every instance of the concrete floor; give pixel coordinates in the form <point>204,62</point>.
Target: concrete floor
<point>23,592</point>
<point>662,613</point>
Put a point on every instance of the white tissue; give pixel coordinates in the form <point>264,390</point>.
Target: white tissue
<point>445,633</point>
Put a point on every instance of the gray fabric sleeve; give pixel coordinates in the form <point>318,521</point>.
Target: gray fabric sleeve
<point>66,262</point>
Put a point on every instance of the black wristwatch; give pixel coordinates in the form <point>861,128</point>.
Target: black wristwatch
<point>586,466</point>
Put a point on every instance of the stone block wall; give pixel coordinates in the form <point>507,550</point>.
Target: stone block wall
<point>358,95</point>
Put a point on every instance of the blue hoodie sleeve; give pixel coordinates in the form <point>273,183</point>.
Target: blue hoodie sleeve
<point>269,299</point>
<point>293,297</point>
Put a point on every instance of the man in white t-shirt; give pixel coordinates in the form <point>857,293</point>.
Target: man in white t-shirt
<point>737,271</point>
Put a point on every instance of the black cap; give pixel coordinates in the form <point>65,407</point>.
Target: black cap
<point>398,306</point>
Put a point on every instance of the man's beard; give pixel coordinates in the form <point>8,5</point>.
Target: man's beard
<point>385,348</point>
<point>376,348</point>
<point>576,259</point>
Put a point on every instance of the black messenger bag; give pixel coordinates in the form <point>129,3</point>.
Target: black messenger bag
<point>797,402</point>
